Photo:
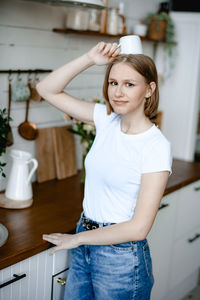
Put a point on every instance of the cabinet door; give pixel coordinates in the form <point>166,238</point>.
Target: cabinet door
<point>61,260</point>
<point>185,257</point>
<point>58,285</point>
<point>160,240</point>
<point>11,280</point>
<point>188,209</point>
<point>34,281</point>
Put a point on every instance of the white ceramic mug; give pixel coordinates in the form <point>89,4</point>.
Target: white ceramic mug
<point>130,44</point>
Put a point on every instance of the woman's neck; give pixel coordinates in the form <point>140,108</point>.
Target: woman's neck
<point>135,123</point>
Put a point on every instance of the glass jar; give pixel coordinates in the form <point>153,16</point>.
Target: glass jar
<point>78,19</point>
<point>94,24</point>
<point>113,21</point>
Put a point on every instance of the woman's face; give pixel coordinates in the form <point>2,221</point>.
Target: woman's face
<point>127,89</point>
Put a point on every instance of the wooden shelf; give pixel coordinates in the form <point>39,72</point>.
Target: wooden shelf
<point>95,33</point>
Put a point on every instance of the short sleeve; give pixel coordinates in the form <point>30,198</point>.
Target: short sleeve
<point>158,157</point>
<point>101,118</point>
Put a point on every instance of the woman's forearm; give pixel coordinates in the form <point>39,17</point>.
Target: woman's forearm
<point>113,234</point>
<point>57,80</point>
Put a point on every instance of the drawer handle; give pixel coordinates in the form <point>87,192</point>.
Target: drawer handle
<point>197,188</point>
<point>17,277</point>
<point>194,238</point>
<point>163,206</point>
<point>62,281</point>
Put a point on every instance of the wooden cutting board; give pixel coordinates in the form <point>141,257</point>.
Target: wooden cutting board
<point>64,149</point>
<point>45,155</point>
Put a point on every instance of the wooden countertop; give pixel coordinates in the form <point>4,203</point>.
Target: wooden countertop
<point>57,207</point>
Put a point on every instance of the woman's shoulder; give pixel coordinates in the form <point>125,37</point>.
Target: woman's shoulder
<point>157,140</point>
<point>160,137</point>
<point>101,108</point>
<point>101,116</point>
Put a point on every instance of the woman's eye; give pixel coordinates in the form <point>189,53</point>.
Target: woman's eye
<point>113,83</point>
<point>129,84</point>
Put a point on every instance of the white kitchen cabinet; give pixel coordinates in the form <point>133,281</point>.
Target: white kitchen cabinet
<point>161,243</point>
<point>185,257</point>
<point>186,250</point>
<point>189,209</point>
<point>58,285</point>
<point>61,258</point>
<point>37,281</point>
<point>175,244</point>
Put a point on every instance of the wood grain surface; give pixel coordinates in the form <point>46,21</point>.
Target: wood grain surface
<point>45,155</point>
<point>64,149</point>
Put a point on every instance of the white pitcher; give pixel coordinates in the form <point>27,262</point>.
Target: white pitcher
<point>19,185</point>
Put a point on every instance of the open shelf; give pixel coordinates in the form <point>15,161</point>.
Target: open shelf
<point>96,33</point>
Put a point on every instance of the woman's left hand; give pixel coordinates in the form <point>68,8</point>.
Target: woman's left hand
<point>62,241</point>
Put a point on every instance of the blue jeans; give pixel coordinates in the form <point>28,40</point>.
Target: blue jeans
<point>110,272</point>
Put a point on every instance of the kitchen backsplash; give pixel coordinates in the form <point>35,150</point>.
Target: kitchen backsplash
<point>28,42</point>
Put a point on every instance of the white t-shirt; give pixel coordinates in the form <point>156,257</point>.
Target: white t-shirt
<point>114,166</point>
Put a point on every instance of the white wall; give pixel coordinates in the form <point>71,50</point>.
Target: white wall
<point>180,93</point>
<point>27,42</point>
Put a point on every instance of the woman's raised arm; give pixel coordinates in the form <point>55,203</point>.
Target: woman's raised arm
<point>51,88</point>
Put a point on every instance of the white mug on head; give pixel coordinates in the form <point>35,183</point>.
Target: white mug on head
<point>130,44</point>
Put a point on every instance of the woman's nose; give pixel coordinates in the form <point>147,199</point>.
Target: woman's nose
<point>118,91</point>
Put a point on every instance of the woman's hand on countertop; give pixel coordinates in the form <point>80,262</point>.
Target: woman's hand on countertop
<point>62,241</point>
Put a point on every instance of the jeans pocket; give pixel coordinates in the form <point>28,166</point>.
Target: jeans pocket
<point>147,259</point>
<point>128,246</point>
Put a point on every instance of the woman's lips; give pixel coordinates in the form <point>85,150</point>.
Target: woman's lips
<point>118,102</point>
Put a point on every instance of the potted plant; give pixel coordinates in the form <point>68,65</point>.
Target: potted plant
<point>4,131</point>
<point>87,135</point>
<point>161,28</point>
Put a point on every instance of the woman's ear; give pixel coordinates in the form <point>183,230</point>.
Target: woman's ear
<point>151,89</point>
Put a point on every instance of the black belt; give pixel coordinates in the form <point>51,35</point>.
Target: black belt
<point>89,224</point>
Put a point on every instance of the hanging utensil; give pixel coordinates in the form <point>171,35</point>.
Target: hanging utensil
<point>10,134</point>
<point>34,93</point>
<point>20,90</point>
<point>28,130</point>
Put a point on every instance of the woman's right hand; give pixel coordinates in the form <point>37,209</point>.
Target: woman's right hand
<point>103,53</point>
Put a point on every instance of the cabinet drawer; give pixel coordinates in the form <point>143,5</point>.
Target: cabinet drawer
<point>58,285</point>
<point>185,257</point>
<point>188,209</point>
<point>61,260</point>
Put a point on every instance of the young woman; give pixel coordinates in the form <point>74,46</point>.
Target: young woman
<point>127,170</point>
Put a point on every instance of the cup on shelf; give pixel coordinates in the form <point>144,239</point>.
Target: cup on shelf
<point>140,29</point>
